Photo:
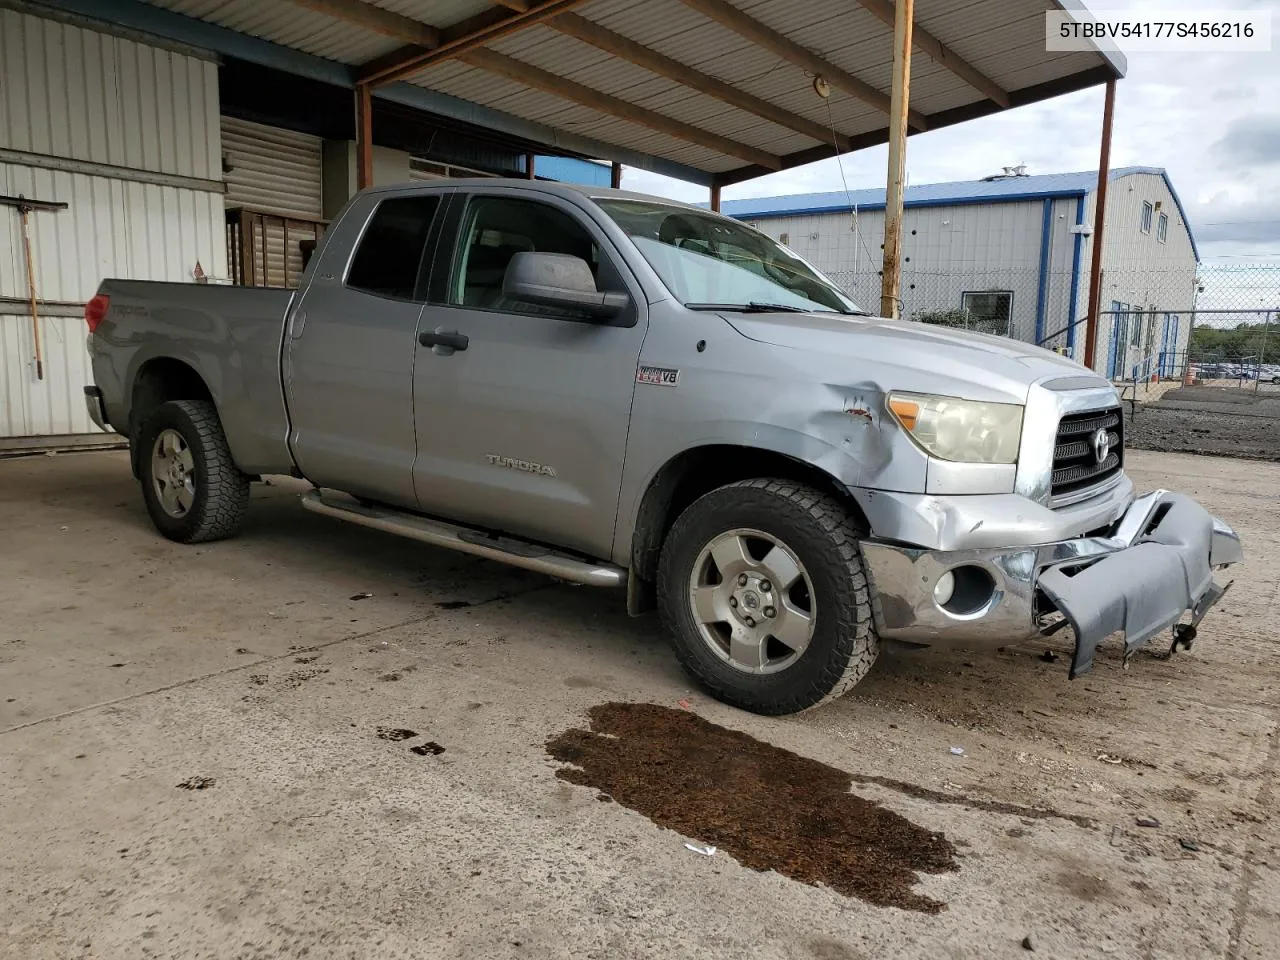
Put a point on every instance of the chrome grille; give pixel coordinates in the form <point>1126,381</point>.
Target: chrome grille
<point>1076,466</point>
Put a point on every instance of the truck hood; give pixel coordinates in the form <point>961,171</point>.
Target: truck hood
<point>906,355</point>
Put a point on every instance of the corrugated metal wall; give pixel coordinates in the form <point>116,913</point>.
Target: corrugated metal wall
<point>69,94</point>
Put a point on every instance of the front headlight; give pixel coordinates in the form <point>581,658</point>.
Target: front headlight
<point>966,431</point>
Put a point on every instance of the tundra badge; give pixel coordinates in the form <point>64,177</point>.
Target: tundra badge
<point>524,466</point>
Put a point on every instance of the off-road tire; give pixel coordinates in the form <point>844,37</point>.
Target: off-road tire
<point>824,536</point>
<point>221,490</point>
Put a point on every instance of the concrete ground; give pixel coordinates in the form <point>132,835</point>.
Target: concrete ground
<point>130,665</point>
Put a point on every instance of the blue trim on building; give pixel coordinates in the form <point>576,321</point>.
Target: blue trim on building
<point>587,173</point>
<point>165,24</point>
<point>1077,254</point>
<point>1042,284</point>
<point>953,194</point>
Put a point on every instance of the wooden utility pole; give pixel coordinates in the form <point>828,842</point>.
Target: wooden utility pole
<point>615,175</point>
<point>364,136</point>
<point>900,102</point>
<point>1099,221</point>
<point>529,160</point>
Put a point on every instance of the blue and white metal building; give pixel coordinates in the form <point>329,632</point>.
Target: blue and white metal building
<point>1017,248</point>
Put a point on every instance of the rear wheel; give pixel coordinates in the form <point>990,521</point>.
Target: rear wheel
<point>762,587</point>
<point>193,490</point>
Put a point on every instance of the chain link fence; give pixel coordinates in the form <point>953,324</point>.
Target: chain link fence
<point>1216,324</point>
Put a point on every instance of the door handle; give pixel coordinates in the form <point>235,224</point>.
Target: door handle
<point>450,339</point>
<point>296,323</point>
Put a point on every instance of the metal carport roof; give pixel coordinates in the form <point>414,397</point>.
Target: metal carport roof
<point>713,91</point>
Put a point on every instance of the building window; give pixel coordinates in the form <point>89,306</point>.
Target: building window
<point>990,310</point>
<point>1147,212</point>
<point>1162,228</point>
<point>784,239</point>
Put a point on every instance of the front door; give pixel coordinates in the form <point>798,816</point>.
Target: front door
<point>1169,346</point>
<point>522,426</point>
<point>1119,340</point>
<point>350,350</point>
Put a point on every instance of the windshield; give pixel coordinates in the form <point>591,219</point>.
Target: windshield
<point>708,261</point>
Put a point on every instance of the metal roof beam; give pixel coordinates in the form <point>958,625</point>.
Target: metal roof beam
<point>580,28</point>
<point>927,43</point>
<point>375,19</point>
<point>734,19</point>
<point>531,76</point>
<point>469,34</point>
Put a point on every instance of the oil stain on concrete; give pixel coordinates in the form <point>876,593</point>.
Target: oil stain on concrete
<point>769,808</point>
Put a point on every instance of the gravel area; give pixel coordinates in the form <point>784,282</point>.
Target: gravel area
<point>1209,420</point>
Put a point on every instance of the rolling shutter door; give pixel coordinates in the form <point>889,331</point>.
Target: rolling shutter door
<point>271,169</point>
<point>275,172</point>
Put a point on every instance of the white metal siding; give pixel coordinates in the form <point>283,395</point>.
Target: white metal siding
<point>272,169</point>
<point>70,92</point>
<point>54,405</point>
<point>1138,270</point>
<point>952,250</point>
<point>111,228</point>
<point>73,94</point>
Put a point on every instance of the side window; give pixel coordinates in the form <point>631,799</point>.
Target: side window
<point>497,228</point>
<point>1162,228</point>
<point>1147,211</point>
<point>389,256</point>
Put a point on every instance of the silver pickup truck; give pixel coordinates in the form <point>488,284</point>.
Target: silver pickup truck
<point>620,390</point>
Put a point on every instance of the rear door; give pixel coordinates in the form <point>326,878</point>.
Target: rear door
<point>350,348</point>
<point>524,428</point>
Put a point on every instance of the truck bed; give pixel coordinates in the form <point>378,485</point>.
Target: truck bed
<point>229,336</point>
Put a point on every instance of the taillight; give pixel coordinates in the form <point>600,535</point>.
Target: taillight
<point>95,310</point>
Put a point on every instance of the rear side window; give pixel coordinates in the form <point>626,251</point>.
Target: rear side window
<point>389,256</point>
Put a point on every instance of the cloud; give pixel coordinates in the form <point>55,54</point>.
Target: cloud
<point>1252,139</point>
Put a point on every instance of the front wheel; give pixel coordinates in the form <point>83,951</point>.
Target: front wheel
<point>193,489</point>
<point>762,587</point>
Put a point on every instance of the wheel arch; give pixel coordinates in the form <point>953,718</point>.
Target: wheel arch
<point>697,471</point>
<point>157,381</point>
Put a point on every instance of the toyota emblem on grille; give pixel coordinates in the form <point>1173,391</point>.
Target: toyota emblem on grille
<point>1101,444</point>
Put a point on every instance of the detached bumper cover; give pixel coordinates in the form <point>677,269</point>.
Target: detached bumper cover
<point>1145,587</point>
<point>1151,567</point>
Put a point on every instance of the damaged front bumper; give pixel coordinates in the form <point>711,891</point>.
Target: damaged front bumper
<point>1139,576</point>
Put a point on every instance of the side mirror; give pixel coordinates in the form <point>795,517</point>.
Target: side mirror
<point>559,280</point>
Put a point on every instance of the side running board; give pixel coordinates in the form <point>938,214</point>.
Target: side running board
<point>517,553</point>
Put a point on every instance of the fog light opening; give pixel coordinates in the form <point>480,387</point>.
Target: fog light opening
<point>969,590</point>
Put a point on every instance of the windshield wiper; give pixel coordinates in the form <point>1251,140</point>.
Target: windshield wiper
<point>755,306</point>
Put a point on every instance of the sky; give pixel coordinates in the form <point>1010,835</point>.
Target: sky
<point>1211,120</point>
